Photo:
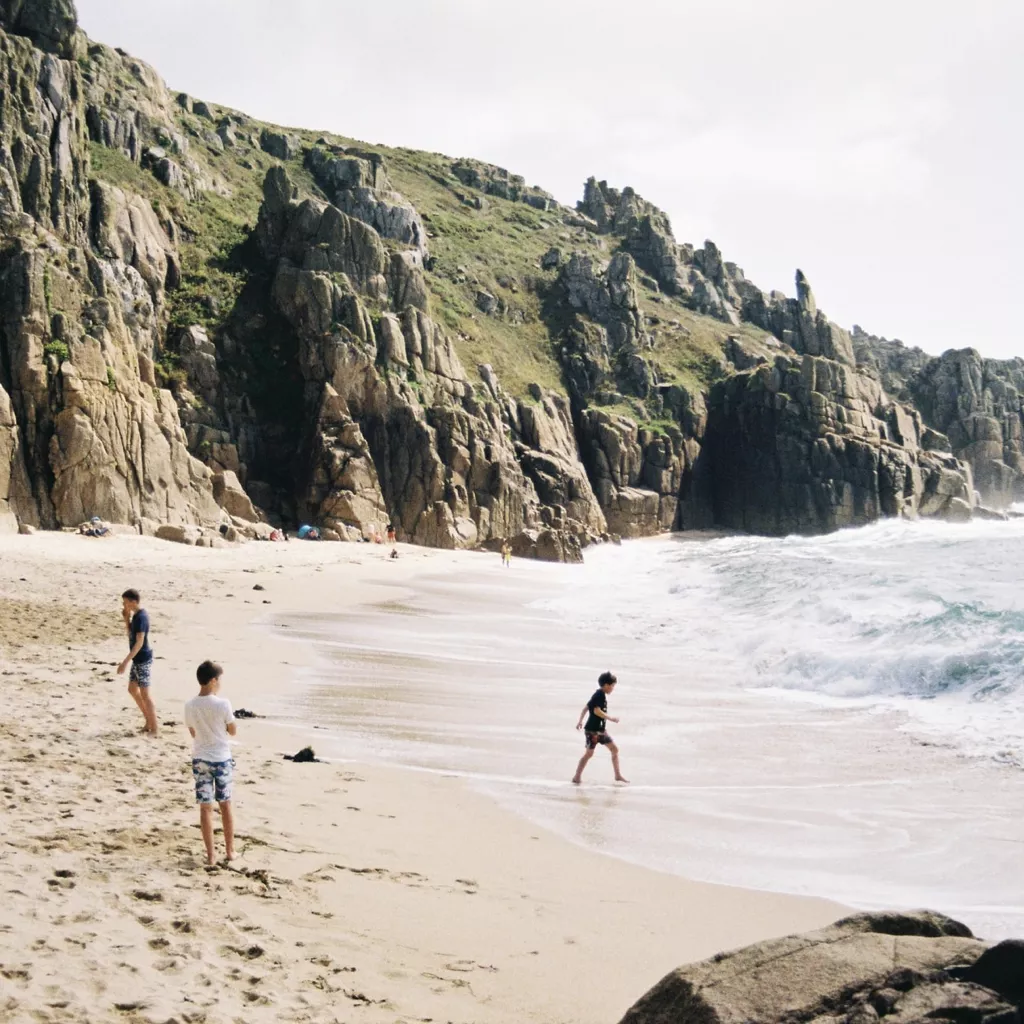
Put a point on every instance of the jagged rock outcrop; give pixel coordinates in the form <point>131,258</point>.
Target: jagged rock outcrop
<point>896,967</point>
<point>83,277</point>
<point>357,183</point>
<point>279,144</point>
<point>50,24</point>
<point>890,361</point>
<point>708,283</point>
<point>343,492</point>
<point>43,163</point>
<point>975,402</point>
<point>549,456</point>
<point>497,181</point>
<point>807,445</point>
<point>399,432</point>
<point>636,473</point>
<point>603,348</point>
<point>125,227</point>
<point>799,323</point>
<point>699,277</point>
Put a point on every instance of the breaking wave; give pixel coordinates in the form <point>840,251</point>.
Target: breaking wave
<point>924,617</point>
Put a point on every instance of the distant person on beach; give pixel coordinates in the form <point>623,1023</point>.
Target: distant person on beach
<point>94,528</point>
<point>596,714</point>
<point>394,553</point>
<point>506,553</point>
<point>391,533</point>
<point>210,722</point>
<point>140,657</point>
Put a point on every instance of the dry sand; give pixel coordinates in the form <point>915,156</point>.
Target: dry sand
<point>361,892</point>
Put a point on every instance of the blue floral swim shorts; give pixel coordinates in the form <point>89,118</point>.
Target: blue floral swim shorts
<point>213,780</point>
<point>142,673</point>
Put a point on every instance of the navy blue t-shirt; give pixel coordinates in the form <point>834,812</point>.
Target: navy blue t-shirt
<point>140,624</point>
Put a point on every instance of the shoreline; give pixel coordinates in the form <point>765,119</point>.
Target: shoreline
<point>809,795</point>
<point>403,894</point>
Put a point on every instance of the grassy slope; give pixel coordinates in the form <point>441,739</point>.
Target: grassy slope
<point>495,249</point>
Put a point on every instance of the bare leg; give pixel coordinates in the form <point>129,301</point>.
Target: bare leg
<point>149,710</point>
<point>135,692</point>
<point>615,763</point>
<point>577,778</point>
<point>227,822</point>
<point>206,823</point>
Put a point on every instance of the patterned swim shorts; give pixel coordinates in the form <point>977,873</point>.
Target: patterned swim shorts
<point>213,780</point>
<point>142,673</point>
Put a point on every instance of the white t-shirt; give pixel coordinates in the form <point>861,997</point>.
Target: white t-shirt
<point>209,716</point>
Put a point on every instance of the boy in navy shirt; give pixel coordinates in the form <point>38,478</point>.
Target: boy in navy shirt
<point>596,713</point>
<point>140,657</point>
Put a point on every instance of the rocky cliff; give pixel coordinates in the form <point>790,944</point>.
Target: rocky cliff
<point>84,269</point>
<point>977,403</point>
<point>214,322</point>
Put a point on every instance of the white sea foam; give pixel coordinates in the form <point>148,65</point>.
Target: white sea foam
<point>926,618</point>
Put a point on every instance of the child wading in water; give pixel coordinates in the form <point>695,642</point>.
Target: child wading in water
<point>211,721</point>
<point>596,713</point>
<point>140,657</point>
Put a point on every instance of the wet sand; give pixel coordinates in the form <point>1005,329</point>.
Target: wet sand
<point>362,891</point>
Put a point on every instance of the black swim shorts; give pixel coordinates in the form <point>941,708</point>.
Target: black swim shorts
<point>594,738</point>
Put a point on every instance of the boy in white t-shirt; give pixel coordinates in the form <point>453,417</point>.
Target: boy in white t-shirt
<point>211,721</point>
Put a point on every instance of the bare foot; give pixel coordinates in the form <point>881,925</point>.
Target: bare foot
<point>619,778</point>
<point>576,781</point>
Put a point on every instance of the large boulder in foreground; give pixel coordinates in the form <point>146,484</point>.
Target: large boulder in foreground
<point>904,966</point>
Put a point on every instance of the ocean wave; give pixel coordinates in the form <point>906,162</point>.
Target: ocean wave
<point>927,618</point>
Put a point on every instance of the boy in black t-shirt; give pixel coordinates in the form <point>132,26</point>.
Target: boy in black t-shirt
<point>596,713</point>
<point>140,657</point>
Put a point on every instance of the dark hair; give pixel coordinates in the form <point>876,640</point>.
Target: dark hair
<point>207,672</point>
<point>606,679</point>
<point>132,595</point>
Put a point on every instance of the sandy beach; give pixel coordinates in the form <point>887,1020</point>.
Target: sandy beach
<point>361,892</point>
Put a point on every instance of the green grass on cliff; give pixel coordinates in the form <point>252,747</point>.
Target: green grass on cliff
<point>478,243</point>
<point>212,228</point>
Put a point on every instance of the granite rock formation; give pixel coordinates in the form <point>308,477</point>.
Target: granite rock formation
<point>977,403</point>
<point>357,183</point>
<point>398,430</point>
<point>83,278</point>
<point>209,322</point>
<point>808,445</point>
<point>897,968</point>
<point>606,352</point>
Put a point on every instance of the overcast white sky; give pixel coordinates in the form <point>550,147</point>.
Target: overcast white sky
<point>877,145</point>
